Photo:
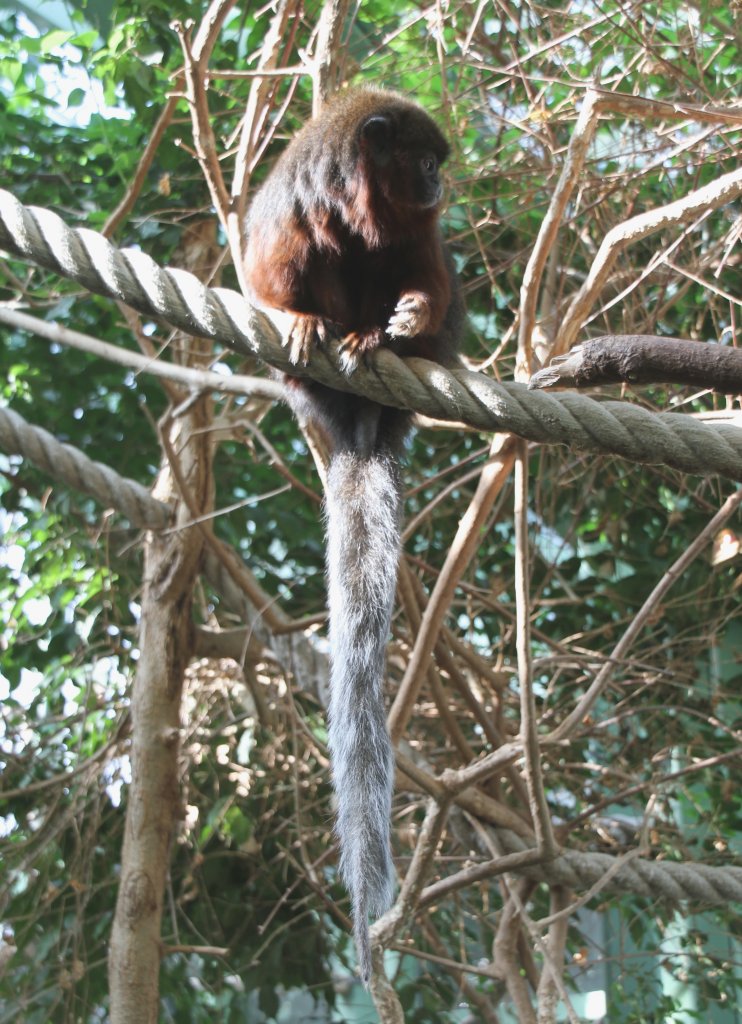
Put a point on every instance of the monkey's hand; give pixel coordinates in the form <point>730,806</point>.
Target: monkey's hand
<point>305,333</point>
<point>412,316</point>
<point>354,347</point>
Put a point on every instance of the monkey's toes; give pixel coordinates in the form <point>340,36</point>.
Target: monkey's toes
<point>356,346</point>
<point>305,333</point>
<point>351,351</point>
<point>406,324</point>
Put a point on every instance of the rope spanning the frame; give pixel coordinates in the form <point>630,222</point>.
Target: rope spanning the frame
<point>41,237</point>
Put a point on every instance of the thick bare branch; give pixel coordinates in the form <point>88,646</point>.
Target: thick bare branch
<point>644,359</point>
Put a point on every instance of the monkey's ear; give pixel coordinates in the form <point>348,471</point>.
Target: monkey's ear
<point>377,135</point>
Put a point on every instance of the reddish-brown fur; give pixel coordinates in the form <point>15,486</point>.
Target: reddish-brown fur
<point>346,228</point>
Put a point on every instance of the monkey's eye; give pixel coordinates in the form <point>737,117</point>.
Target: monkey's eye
<point>429,164</point>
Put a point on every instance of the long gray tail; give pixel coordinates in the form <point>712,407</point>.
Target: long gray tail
<point>363,527</point>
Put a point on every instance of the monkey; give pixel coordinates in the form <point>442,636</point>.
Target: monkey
<point>344,235</point>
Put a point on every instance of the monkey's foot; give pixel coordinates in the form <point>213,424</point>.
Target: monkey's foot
<point>305,333</point>
<point>411,316</point>
<point>355,346</point>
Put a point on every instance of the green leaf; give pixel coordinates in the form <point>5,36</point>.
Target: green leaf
<point>54,40</point>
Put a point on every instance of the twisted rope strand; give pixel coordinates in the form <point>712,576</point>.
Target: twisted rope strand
<point>671,880</point>
<point>68,464</point>
<point>674,439</point>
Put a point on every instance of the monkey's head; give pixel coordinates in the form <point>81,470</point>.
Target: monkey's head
<point>378,155</point>
<point>368,164</point>
<point>401,151</point>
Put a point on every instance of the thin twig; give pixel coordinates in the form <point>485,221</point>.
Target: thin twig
<point>573,165</point>
<point>196,62</point>
<point>127,203</point>
<point>540,814</point>
<point>463,547</point>
<point>194,380</point>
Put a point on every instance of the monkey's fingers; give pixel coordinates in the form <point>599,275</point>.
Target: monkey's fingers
<point>410,300</point>
<point>327,331</point>
<point>411,316</point>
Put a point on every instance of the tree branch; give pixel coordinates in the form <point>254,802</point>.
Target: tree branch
<point>644,359</point>
<point>710,197</point>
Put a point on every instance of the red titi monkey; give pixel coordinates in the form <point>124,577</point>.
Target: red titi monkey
<point>344,234</point>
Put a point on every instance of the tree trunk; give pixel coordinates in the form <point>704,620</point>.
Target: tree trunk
<point>171,565</point>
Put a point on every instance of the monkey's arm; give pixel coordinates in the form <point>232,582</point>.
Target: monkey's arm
<point>425,293</point>
<point>424,284</point>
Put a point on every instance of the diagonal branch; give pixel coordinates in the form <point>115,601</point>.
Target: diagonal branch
<point>187,376</point>
<point>710,197</point>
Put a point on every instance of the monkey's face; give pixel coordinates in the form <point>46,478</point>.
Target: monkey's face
<point>403,161</point>
<point>424,179</point>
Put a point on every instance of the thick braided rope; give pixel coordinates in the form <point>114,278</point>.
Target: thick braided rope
<point>41,237</point>
<point>69,465</point>
<point>655,879</point>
